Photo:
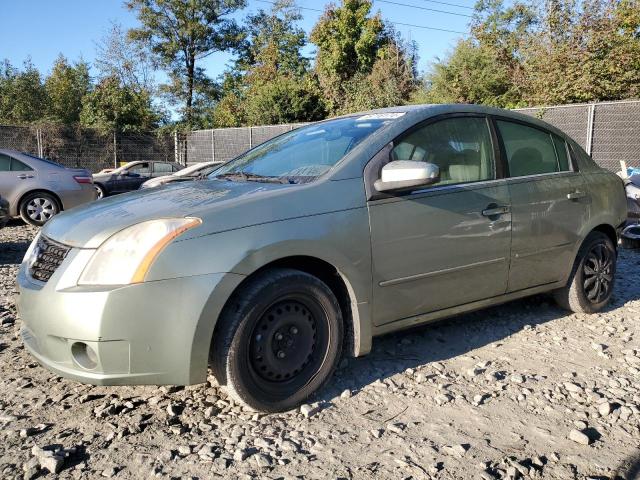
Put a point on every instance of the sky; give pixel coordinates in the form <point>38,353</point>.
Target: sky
<point>42,29</point>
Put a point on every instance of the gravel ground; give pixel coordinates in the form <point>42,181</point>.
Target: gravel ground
<point>517,391</point>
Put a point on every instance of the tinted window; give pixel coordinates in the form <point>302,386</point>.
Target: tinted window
<point>162,168</point>
<point>5,163</point>
<point>18,166</point>
<point>561,152</point>
<point>142,169</point>
<point>461,147</point>
<point>530,151</point>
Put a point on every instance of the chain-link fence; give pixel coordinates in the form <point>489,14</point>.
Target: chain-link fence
<point>87,148</point>
<point>223,144</point>
<point>609,131</point>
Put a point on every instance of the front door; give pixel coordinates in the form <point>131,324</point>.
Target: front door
<point>549,205</point>
<point>447,244</point>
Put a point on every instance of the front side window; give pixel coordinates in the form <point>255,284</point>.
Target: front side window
<point>461,147</point>
<point>531,151</point>
<point>306,153</point>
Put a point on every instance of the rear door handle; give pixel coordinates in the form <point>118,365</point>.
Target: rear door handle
<point>22,176</point>
<point>495,211</point>
<point>577,195</point>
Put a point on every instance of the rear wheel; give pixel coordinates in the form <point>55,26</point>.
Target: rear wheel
<point>279,340</point>
<point>37,208</point>
<point>592,279</point>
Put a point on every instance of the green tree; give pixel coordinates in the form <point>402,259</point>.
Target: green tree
<point>112,106</point>
<point>65,88</point>
<point>348,40</point>
<point>22,95</point>
<point>270,80</point>
<point>180,33</point>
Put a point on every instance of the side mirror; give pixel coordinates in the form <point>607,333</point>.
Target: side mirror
<point>406,174</point>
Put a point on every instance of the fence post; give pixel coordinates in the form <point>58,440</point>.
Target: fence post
<point>250,138</point>
<point>592,109</point>
<point>115,150</point>
<point>175,147</point>
<point>213,145</point>
<point>39,140</point>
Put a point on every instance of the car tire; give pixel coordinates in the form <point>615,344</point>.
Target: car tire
<point>278,341</point>
<point>100,191</point>
<point>592,278</point>
<point>37,208</point>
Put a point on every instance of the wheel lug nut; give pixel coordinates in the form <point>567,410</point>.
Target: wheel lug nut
<point>281,354</point>
<point>279,336</point>
<point>293,330</point>
<point>258,337</point>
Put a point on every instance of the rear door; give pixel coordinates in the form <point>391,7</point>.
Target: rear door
<point>446,244</point>
<point>549,204</point>
<point>16,178</point>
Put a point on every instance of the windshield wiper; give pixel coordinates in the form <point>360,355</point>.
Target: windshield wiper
<point>251,177</point>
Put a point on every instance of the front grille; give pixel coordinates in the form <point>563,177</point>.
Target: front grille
<point>48,257</point>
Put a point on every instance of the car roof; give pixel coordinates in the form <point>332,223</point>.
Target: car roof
<point>31,160</point>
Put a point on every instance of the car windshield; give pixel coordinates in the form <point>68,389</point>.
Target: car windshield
<point>303,154</point>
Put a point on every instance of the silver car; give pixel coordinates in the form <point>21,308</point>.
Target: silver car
<point>37,189</point>
<point>306,247</point>
<point>192,172</point>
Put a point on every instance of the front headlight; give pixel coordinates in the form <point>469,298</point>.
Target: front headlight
<point>125,257</point>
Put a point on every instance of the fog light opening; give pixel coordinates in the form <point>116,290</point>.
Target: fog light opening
<point>84,355</point>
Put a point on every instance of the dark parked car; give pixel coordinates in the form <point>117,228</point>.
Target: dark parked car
<point>131,176</point>
<point>189,174</point>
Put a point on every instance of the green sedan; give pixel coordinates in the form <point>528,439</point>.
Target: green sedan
<point>306,247</point>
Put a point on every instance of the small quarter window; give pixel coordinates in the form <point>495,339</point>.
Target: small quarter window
<point>530,151</point>
<point>461,147</point>
<point>18,166</point>
<point>562,153</point>
<point>162,168</point>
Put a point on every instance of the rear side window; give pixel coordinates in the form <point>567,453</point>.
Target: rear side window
<point>162,168</point>
<point>531,151</point>
<point>461,147</point>
<point>18,166</point>
<point>5,163</point>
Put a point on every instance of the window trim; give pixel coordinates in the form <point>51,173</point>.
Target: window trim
<point>503,151</point>
<point>374,165</point>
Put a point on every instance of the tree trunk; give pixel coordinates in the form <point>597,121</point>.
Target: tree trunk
<point>190,80</point>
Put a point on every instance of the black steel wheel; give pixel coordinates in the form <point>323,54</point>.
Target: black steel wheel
<point>278,341</point>
<point>592,278</point>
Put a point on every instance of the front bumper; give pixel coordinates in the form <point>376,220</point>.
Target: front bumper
<point>155,332</point>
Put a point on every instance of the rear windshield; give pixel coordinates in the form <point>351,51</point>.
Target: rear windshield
<point>45,160</point>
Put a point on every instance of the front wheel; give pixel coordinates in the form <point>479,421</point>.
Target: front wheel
<point>100,191</point>
<point>591,282</point>
<point>279,340</point>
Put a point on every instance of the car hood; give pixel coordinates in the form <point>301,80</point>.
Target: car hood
<point>221,205</point>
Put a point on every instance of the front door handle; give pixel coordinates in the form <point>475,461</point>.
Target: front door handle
<point>22,176</point>
<point>577,195</point>
<point>494,211</point>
